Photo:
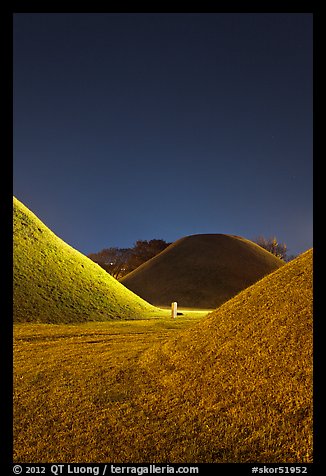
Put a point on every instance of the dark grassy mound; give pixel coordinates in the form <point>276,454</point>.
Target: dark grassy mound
<point>201,271</point>
<point>54,283</point>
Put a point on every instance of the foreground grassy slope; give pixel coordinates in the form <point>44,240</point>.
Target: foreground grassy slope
<point>238,386</point>
<point>235,387</point>
<point>201,271</point>
<point>54,283</point>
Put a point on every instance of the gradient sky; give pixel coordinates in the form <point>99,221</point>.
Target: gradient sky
<point>142,126</point>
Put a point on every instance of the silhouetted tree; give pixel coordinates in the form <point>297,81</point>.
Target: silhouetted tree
<point>273,246</point>
<point>121,261</point>
<point>113,260</point>
<point>144,250</point>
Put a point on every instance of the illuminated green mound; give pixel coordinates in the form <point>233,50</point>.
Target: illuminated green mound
<point>54,283</point>
<point>201,271</point>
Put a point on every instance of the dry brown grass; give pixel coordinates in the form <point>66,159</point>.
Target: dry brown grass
<point>71,383</point>
<point>236,387</point>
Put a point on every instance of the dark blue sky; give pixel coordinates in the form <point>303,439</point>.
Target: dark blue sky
<point>142,126</point>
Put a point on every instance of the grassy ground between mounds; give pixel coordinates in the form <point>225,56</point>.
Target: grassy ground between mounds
<point>68,379</point>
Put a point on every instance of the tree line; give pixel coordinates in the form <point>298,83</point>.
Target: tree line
<point>273,246</point>
<point>120,261</point>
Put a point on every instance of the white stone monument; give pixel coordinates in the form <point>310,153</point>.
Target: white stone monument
<point>174,308</point>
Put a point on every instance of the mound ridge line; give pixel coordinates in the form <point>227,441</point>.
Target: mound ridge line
<point>201,271</point>
<point>236,387</point>
<point>54,283</point>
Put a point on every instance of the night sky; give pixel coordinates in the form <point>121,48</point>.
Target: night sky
<point>142,126</point>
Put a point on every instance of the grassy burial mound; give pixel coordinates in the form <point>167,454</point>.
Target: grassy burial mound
<point>237,387</point>
<point>54,283</point>
<point>201,271</point>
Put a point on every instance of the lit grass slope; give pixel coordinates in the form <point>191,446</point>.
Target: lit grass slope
<point>54,283</point>
<point>201,271</point>
<point>237,387</point>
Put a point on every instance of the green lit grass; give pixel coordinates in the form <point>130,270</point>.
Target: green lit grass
<point>54,283</point>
